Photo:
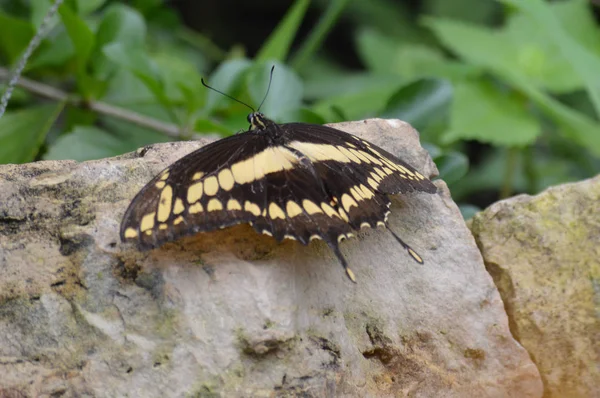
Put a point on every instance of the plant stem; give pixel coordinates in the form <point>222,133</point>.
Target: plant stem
<point>33,43</point>
<point>97,106</point>
<point>509,171</point>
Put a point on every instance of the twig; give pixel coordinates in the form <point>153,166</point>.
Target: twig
<point>35,41</point>
<point>97,106</point>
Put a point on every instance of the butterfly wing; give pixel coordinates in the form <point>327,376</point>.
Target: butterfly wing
<point>243,178</point>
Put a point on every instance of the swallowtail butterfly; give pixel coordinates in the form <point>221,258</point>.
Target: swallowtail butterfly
<point>291,181</point>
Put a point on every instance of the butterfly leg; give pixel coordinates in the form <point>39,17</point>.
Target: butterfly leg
<point>338,254</point>
<point>410,251</point>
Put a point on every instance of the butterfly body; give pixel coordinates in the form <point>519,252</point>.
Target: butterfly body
<point>291,181</point>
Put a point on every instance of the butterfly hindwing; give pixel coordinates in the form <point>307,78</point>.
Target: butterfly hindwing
<point>197,193</point>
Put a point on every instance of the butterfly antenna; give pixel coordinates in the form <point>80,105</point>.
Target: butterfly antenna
<point>268,88</point>
<point>410,251</point>
<point>229,96</point>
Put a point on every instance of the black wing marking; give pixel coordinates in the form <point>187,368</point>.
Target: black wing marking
<point>387,173</point>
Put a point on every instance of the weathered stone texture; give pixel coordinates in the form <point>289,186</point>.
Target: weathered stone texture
<point>543,252</point>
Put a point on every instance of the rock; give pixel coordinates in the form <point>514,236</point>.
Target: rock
<point>543,252</point>
<point>233,313</point>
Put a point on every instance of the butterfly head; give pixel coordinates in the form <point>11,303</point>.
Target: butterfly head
<point>258,121</point>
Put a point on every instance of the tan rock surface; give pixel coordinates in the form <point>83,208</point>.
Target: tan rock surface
<point>233,313</point>
<point>543,252</point>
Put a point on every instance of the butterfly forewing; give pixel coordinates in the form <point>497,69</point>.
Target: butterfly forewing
<point>376,168</point>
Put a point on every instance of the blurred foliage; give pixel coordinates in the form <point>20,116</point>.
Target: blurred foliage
<point>505,94</point>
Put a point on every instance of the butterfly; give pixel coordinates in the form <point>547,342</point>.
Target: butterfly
<point>291,181</point>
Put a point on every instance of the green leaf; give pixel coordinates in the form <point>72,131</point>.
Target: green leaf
<point>225,78</point>
<point>452,166</point>
<point>481,112</point>
<point>15,35</point>
<point>85,143</point>
<point>285,93</point>
<point>318,33</point>
<point>55,52</point>
<point>496,53</point>
<point>85,7</point>
<point>137,61</point>
<point>279,42</point>
<point>323,86</point>
<point>22,132</point>
<point>120,24</point>
<point>79,33</point>
<point>420,103</point>
<point>39,9</point>
<point>208,126</point>
<point>377,51</point>
<point>585,63</point>
<point>368,102</point>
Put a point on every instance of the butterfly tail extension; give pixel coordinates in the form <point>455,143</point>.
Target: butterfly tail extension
<point>410,251</point>
<point>336,250</point>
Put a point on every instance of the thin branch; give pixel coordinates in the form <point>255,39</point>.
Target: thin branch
<point>35,41</point>
<point>47,91</point>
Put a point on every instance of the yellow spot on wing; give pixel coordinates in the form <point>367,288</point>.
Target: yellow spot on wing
<point>164,204</point>
<point>252,208</point>
<point>372,183</point>
<point>355,191</point>
<point>271,160</point>
<point>196,208</point>
<point>160,184</point>
<point>179,207</point>
<point>226,179</point>
<point>311,207</point>
<point>419,175</point>
<point>367,193</point>
<point>214,205</point>
<point>130,233</point>
<point>380,172</point>
<point>233,204</point>
<point>330,211</point>
<point>320,152</point>
<point>349,154</point>
<point>163,226</point>
<point>211,185</point>
<point>348,202</point>
<point>178,220</point>
<point>147,222</point>
<point>372,158</point>
<point>343,215</point>
<point>198,175</point>
<point>275,212</point>
<point>293,209</point>
<point>194,192</point>
<point>360,154</point>
<point>376,177</point>
<point>165,175</point>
